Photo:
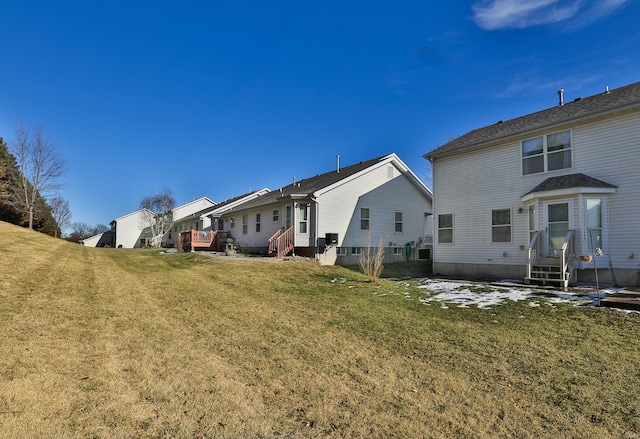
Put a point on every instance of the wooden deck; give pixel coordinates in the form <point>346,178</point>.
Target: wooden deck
<point>624,299</point>
<point>209,240</point>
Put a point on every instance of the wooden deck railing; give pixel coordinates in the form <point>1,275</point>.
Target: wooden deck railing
<point>282,242</point>
<point>273,241</point>
<point>215,239</point>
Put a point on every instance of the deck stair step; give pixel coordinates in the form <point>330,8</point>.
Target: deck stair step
<point>547,271</point>
<point>624,299</point>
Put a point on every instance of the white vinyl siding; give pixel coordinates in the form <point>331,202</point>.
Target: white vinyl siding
<point>340,208</point>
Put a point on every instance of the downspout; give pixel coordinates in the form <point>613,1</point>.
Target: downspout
<point>317,216</point>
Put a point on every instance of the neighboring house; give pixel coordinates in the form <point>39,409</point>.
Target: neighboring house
<point>187,217</point>
<point>215,214</point>
<point>104,239</point>
<point>209,231</point>
<point>132,230</point>
<point>332,216</point>
<point>536,197</point>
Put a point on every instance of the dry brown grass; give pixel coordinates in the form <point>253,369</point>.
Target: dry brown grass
<point>106,343</point>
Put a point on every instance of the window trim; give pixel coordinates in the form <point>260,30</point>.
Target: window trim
<point>245,224</point>
<point>355,251</point>
<point>276,215</point>
<point>258,222</point>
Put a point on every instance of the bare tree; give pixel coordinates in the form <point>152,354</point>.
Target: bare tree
<point>80,231</point>
<point>159,214</point>
<point>61,212</point>
<point>40,167</point>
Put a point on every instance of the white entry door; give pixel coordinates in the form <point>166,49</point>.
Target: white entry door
<point>558,218</point>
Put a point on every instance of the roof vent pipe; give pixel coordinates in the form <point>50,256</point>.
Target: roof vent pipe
<point>338,164</point>
<point>561,97</point>
<point>606,89</point>
<point>294,180</point>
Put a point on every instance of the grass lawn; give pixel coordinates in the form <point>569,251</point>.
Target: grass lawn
<point>114,343</point>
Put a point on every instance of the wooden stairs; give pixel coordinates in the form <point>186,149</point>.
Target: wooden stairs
<point>281,243</point>
<point>548,271</point>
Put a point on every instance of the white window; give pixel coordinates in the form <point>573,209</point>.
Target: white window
<point>364,218</point>
<point>594,224</point>
<point>258,219</point>
<point>398,222</point>
<point>397,251</point>
<point>276,215</point>
<point>445,228</point>
<point>533,223</point>
<point>287,218</point>
<point>501,225</point>
<point>302,217</point>
<point>355,251</point>
<point>546,153</point>
<point>341,251</point>
<point>232,222</point>
<point>245,224</point>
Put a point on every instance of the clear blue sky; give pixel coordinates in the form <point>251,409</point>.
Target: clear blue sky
<point>214,98</point>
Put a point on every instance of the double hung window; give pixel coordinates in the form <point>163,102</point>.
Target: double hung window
<point>364,218</point>
<point>501,225</point>
<point>398,222</point>
<point>445,228</point>
<point>302,217</point>
<point>546,153</point>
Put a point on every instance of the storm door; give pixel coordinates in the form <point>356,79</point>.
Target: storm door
<point>558,222</point>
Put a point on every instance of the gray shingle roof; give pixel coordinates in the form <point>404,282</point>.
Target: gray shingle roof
<point>619,99</point>
<point>570,181</point>
<point>307,186</point>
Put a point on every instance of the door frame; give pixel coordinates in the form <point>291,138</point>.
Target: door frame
<point>546,247</point>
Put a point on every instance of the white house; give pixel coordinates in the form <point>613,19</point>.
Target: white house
<point>549,197</point>
<point>132,230</point>
<point>332,216</point>
<point>187,217</point>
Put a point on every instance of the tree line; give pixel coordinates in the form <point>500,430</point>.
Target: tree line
<point>30,173</point>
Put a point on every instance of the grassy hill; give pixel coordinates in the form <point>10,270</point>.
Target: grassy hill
<point>108,343</point>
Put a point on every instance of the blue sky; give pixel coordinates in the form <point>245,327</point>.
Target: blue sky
<point>216,98</point>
